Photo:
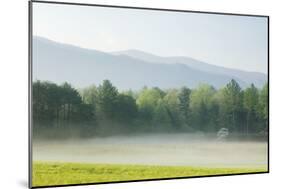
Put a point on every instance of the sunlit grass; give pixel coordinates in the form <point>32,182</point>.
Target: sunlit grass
<point>54,173</point>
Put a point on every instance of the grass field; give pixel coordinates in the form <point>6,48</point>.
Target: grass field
<point>57,173</point>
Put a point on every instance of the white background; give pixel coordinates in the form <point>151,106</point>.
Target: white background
<point>14,93</point>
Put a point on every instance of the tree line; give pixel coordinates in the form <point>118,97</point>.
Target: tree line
<point>103,110</point>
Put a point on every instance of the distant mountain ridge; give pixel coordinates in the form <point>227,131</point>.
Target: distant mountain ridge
<point>255,77</point>
<point>81,67</point>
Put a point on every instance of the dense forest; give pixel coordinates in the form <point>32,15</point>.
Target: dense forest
<point>63,111</point>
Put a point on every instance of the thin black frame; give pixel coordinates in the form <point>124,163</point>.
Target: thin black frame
<point>30,66</point>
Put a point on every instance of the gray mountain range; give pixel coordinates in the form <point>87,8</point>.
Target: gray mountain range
<point>131,69</point>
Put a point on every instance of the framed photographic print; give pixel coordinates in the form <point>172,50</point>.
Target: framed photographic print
<point>122,94</point>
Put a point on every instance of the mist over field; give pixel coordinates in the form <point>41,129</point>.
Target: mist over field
<point>167,132</point>
<point>117,103</point>
<point>104,134</point>
<point>139,115</point>
<point>156,149</point>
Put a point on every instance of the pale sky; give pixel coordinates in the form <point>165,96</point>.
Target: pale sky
<point>229,41</point>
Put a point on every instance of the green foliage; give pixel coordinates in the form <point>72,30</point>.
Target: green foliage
<point>184,105</point>
<point>161,116</point>
<point>202,103</point>
<point>232,99</point>
<point>104,110</point>
<point>251,105</point>
<point>263,102</point>
<point>89,95</point>
<point>126,108</point>
<point>107,99</point>
<point>147,102</point>
<point>172,103</point>
<point>60,106</point>
<point>251,98</point>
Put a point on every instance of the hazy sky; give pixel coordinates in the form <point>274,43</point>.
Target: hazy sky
<point>229,41</point>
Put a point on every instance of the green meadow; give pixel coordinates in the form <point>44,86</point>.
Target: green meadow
<point>58,173</point>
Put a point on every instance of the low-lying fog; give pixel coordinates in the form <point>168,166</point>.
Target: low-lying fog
<point>161,149</point>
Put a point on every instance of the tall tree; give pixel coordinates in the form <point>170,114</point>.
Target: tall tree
<point>107,99</point>
<point>42,113</point>
<point>250,103</point>
<point>161,119</point>
<point>172,103</point>
<point>263,105</point>
<point>89,95</point>
<point>232,100</point>
<point>184,104</point>
<point>201,100</point>
<point>126,109</point>
<point>70,100</point>
<point>147,102</point>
